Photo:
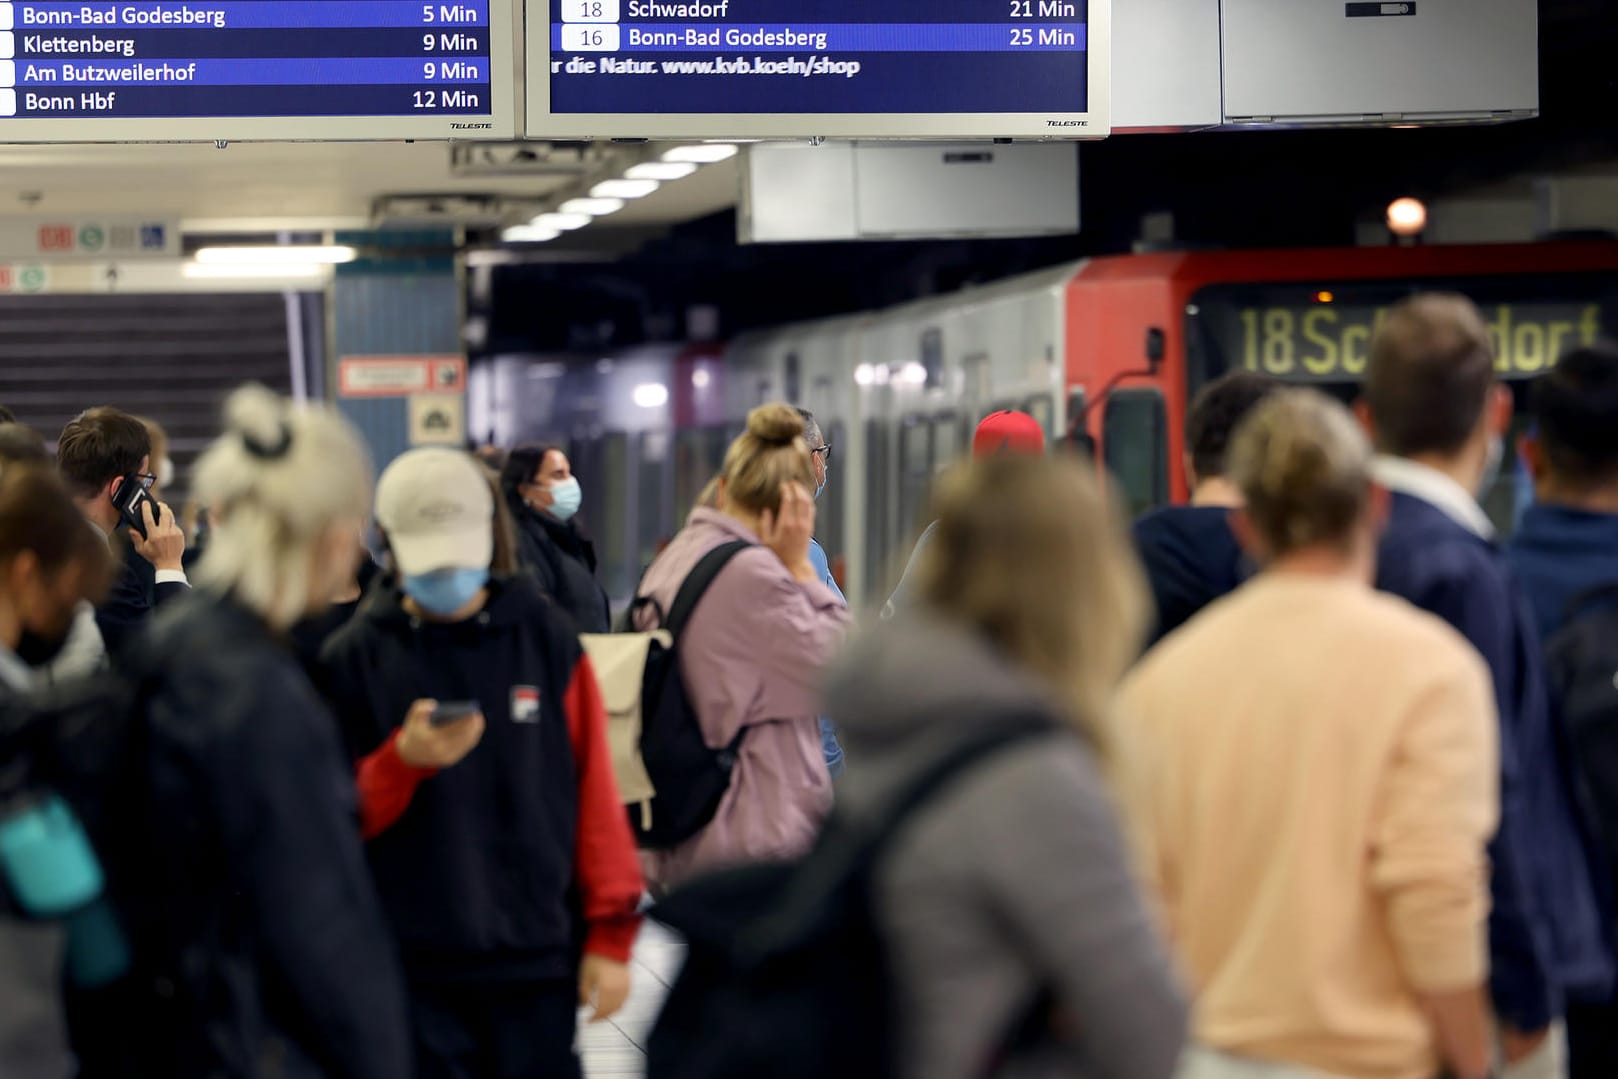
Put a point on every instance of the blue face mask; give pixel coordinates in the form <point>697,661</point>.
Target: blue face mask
<point>445,591</point>
<point>568,498</point>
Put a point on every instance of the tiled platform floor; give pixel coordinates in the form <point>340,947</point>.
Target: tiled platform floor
<point>614,1049</point>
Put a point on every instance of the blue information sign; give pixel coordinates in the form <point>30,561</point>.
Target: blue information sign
<point>875,68</point>
<point>245,69</point>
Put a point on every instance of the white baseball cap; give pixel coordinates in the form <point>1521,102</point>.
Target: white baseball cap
<point>437,509</point>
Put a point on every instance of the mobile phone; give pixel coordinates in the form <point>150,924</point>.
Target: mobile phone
<point>448,712</point>
<point>129,496</point>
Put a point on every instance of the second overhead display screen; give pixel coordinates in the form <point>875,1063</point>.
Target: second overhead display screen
<point>875,68</point>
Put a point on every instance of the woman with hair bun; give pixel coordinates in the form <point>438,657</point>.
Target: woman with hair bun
<point>751,654</point>
<point>259,945</point>
<point>1310,772</point>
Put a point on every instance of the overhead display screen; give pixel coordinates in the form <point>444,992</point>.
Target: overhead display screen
<point>156,70</point>
<point>805,68</point>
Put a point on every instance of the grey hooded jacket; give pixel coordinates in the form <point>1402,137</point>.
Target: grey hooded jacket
<point>1013,883</point>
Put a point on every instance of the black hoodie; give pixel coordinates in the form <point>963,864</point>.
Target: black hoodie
<point>563,561</point>
<point>478,874</point>
<point>1191,558</point>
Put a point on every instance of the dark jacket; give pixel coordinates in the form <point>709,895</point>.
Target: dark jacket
<point>480,874</point>
<point>564,564</point>
<point>1014,882</point>
<point>1545,933</point>
<point>234,853</point>
<point>310,635</point>
<point>1559,552</point>
<point>1191,558</point>
<point>134,595</point>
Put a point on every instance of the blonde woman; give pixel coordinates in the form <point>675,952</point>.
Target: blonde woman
<point>1310,770</point>
<point>257,932</point>
<point>752,653</point>
<point>1011,885</point>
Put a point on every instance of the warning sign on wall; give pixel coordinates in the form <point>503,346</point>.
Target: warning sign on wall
<point>437,419</point>
<point>400,376</point>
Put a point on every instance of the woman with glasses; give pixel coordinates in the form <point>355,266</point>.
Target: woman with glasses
<point>820,459</point>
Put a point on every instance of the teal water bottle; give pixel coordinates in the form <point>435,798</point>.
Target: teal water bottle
<point>47,859</point>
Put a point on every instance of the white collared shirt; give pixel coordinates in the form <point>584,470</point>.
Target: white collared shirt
<point>1407,477</point>
<point>14,673</point>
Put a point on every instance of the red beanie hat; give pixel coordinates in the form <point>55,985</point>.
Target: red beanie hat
<point>1008,432</point>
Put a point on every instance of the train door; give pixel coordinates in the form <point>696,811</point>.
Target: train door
<point>1134,446</point>
<point>653,506</point>
<point>602,464</point>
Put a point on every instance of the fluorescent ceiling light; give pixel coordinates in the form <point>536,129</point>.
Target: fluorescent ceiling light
<point>246,269</point>
<point>702,153</point>
<point>623,189</point>
<point>592,207</point>
<point>277,253</point>
<point>564,222</point>
<point>529,234</point>
<point>660,170</point>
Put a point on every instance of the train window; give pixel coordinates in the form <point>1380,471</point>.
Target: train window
<point>932,357</point>
<point>976,389</point>
<point>1043,409</point>
<point>1135,447</point>
<point>946,439</point>
<point>698,453</point>
<point>915,471</point>
<point>793,378</point>
<point>877,507</point>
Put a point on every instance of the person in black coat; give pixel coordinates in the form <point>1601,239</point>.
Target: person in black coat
<point>232,850</point>
<point>544,496</point>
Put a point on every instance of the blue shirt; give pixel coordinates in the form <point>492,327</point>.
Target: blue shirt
<point>828,732</point>
<point>1559,552</point>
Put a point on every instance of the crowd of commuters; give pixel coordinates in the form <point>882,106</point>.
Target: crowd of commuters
<point>347,787</point>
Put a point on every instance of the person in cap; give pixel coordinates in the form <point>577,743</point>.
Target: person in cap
<point>499,873</point>
<point>1000,432</point>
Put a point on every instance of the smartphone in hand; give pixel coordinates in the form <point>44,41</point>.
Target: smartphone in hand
<point>448,712</point>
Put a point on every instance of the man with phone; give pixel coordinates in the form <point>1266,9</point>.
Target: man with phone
<point>105,457</point>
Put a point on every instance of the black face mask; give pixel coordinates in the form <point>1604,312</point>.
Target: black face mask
<point>38,650</point>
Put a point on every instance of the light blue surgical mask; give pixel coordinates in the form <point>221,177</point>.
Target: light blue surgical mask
<point>568,498</point>
<point>445,591</point>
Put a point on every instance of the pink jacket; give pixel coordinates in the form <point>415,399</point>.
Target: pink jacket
<point>751,656</point>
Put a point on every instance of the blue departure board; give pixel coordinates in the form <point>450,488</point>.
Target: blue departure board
<point>154,70</point>
<point>799,68</point>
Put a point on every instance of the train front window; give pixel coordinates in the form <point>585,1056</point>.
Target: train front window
<point>1319,334</point>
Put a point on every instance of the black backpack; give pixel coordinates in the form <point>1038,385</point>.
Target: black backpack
<point>786,974</point>
<point>690,778</point>
<point>1582,669</point>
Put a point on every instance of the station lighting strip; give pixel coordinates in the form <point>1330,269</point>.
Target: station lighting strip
<point>267,260</point>
<point>609,196</point>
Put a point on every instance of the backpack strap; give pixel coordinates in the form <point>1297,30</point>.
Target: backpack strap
<point>848,851</point>
<point>696,584</point>
<point>1602,595</point>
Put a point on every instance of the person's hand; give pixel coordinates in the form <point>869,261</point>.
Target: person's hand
<point>164,544</point>
<point>422,745</point>
<point>603,986</point>
<point>788,532</point>
<point>1516,1045</point>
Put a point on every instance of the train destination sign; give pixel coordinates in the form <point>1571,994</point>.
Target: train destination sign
<point>1330,342</point>
<point>136,70</point>
<point>802,68</point>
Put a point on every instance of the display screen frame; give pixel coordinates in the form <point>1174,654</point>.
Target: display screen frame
<point>1096,123</point>
<point>500,122</point>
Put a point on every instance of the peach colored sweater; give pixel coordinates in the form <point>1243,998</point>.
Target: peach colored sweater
<point>1310,773</point>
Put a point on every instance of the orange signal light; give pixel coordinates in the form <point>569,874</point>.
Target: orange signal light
<point>1324,297</point>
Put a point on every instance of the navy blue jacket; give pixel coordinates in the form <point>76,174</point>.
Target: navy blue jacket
<point>1558,552</point>
<point>1545,931</point>
<point>478,875</point>
<point>134,595</point>
<point>1191,558</point>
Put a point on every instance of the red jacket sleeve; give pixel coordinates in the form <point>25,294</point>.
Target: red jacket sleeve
<point>606,864</point>
<point>386,786</point>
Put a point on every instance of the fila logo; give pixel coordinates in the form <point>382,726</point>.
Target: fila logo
<point>525,704</point>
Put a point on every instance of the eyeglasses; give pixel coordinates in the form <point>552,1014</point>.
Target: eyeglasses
<point>826,449</point>
<point>146,480</point>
